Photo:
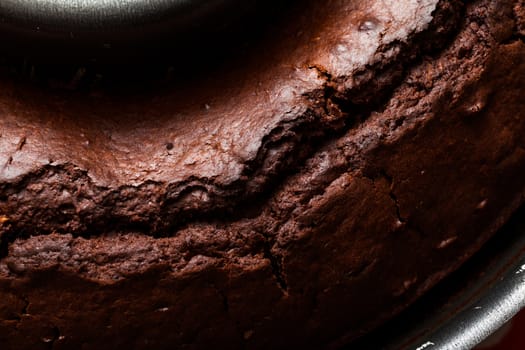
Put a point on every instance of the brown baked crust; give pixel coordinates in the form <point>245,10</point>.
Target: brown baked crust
<point>299,205</point>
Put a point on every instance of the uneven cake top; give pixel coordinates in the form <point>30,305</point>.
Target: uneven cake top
<point>193,130</point>
<point>207,142</point>
<point>326,175</point>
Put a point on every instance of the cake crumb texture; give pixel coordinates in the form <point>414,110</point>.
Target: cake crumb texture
<point>305,197</point>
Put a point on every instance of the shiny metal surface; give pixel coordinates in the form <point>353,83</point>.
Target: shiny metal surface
<point>113,20</point>
<point>497,305</point>
<point>92,14</point>
<point>468,306</point>
<point>488,293</point>
<point>72,30</point>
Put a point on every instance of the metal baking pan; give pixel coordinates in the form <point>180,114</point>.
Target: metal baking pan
<point>466,307</point>
<point>96,27</point>
<point>457,314</point>
<point>112,18</point>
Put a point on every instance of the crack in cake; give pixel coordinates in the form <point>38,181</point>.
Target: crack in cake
<point>298,196</point>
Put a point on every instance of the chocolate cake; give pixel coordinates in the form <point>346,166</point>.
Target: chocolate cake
<point>297,195</point>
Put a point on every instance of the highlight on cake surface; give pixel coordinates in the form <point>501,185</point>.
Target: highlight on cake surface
<point>295,196</point>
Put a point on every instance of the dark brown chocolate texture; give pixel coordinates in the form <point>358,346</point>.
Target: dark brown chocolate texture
<point>296,200</point>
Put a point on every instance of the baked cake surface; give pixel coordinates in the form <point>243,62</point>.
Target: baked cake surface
<point>357,155</point>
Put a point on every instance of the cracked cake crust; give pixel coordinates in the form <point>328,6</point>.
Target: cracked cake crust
<point>303,205</point>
